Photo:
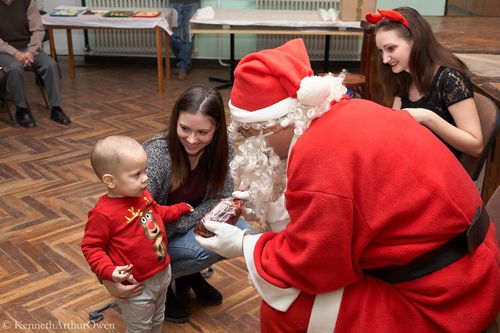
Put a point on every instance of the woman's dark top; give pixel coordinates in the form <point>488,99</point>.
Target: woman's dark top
<point>448,87</point>
<point>159,170</point>
<point>193,190</point>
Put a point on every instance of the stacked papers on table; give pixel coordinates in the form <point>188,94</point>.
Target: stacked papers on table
<point>67,11</point>
<point>146,13</point>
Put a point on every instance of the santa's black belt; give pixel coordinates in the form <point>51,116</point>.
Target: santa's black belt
<point>446,254</point>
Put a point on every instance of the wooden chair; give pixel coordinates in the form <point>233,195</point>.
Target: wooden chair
<point>493,209</point>
<point>3,97</point>
<point>489,115</point>
<point>38,81</point>
<point>361,83</point>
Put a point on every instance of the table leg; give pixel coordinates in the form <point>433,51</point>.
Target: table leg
<point>71,58</point>
<point>167,56</point>
<point>52,45</point>
<point>232,65</point>
<point>159,59</point>
<point>327,54</point>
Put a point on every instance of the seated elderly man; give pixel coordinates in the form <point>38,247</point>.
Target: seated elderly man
<point>21,36</point>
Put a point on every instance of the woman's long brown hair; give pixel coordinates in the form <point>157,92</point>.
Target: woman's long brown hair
<point>208,102</point>
<point>425,54</point>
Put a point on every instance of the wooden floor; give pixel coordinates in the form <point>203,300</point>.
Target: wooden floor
<point>474,34</point>
<point>47,187</point>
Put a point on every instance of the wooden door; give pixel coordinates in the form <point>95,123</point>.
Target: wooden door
<point>473,8</point>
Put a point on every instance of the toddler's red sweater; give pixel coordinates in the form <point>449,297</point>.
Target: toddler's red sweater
<point>129,230</point>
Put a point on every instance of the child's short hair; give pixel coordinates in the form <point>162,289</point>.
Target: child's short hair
<point>108,152</point>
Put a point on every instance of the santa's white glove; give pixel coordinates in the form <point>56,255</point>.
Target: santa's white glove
<point>243,195</point>
<point>227,242</point>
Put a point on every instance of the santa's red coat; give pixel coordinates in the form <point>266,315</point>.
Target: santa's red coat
<point>370,187</point>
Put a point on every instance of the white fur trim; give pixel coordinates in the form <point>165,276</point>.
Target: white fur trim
<point>318,90</point>
<point>271,112</point>
<point>277,216</point>
<point>314,90</point>
<point>277,298</point>
<point>325,312</point>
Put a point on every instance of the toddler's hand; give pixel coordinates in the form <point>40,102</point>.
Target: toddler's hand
<point>122,273</point>
<point>186,208</point>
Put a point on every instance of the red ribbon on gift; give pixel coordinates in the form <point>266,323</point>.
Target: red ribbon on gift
<point>388,14</point>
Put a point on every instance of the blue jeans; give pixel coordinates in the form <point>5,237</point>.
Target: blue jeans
<point>188,257</point>
<point>180,42</point>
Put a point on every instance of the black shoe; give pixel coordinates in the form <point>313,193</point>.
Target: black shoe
<point>58,116</point>
<point>175,312</point>
<point>205,293</point>
<point>24,117</point>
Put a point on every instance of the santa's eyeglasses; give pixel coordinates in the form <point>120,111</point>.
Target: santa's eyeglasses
<point>251,132</point>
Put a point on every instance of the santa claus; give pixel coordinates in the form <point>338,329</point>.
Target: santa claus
<point>383,230</point>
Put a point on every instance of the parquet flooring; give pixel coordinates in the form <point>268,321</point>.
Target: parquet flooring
<point>47,187</point>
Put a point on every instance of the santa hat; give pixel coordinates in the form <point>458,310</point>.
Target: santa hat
<point>270,84</point>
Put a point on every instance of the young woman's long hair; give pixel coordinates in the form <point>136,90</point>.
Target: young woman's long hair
<point>425,54</point>
<point>208,102</point>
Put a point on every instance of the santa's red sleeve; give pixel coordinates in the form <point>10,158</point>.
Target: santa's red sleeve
<point>301,254</point>
<point>298,257</point>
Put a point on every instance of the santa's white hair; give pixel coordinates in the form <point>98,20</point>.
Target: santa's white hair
<point>256,168</point>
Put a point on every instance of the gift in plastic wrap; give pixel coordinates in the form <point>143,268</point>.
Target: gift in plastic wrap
<point>226,211</point>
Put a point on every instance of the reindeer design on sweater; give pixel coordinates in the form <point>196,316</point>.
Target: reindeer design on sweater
<point>153,232</point>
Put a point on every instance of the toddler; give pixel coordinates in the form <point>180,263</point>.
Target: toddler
<point>125,238</point>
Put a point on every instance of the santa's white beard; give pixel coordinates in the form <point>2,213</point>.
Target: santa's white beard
<point>257,169</point>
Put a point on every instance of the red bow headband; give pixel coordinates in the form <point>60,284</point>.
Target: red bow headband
<point>390,15</point>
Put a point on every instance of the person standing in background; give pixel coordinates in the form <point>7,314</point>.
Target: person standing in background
<point>180,41</point>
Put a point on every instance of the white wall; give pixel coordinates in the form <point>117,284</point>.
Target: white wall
<point>424,7</point>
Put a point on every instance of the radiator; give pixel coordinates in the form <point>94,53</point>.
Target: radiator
<point>342,48</point>
<point>142,42</point>
<point>123,42</point>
